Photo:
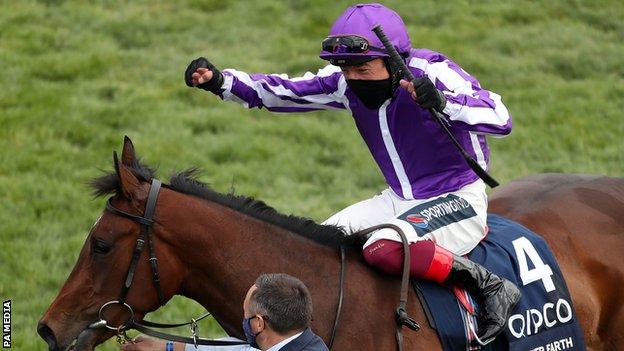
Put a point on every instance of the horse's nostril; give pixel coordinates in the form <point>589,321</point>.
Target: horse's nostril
<point>48,335</point>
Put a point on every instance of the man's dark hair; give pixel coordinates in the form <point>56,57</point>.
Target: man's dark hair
<point>283,300</point>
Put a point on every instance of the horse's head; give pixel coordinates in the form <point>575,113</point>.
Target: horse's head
<point>104,261</point>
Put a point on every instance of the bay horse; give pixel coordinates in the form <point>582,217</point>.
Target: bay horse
<point>211,247</point>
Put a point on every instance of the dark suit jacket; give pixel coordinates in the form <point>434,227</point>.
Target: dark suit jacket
<point>308,341</point>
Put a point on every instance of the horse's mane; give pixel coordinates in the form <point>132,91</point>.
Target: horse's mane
<point>187,182</point>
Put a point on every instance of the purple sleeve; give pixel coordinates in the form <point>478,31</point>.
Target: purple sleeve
<point>468,106</point>
<point>279,93</point>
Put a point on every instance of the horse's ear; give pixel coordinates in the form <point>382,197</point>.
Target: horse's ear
<point>116,162</point>
<point>128,157</point>
<point>130,184</point>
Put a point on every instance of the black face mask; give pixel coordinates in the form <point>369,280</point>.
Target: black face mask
<point>372,93</point>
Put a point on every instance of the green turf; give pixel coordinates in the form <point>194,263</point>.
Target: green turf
<point>75,77</point>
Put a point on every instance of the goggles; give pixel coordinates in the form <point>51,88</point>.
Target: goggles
<point>349,44</point>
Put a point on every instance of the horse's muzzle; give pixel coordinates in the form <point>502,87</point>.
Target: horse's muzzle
<point>85,341</point>
<point>47,334</point>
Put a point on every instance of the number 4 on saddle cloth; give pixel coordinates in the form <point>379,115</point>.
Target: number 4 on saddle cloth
<point>543,320</point>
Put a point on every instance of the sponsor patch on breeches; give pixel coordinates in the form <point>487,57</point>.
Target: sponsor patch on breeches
<point>435,214</point>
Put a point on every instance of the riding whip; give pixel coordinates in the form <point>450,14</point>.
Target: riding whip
<point>394,56</point>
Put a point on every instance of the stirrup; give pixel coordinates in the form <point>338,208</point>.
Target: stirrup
<point>472,328</point>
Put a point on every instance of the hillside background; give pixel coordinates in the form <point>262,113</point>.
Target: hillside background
<point>76,76</point>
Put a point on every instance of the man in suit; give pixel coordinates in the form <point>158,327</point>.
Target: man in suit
<point>277,312</point>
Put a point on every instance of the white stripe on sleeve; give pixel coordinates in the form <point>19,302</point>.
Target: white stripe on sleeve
<point>228,95</point>
<point>271,95</point>
<point>499,115</point>
<point>476,146</point>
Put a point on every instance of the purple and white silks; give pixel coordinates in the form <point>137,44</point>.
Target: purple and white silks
<point>415,156</point>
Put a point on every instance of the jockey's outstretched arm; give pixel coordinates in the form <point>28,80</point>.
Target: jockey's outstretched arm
<point>275,92</point>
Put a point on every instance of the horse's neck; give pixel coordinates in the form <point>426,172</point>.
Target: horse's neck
<point>225,251</point>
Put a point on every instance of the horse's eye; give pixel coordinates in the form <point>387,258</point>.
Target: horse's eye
<point>100,247</point>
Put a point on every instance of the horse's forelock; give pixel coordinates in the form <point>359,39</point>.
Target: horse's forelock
<point>109,182</point>
<point>104,185</point>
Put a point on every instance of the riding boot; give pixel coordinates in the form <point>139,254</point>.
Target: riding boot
<point>497,296</point>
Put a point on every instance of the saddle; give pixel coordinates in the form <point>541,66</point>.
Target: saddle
<point>543,320</point>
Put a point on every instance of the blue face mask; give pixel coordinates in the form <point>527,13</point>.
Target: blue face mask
<point>249,335</point>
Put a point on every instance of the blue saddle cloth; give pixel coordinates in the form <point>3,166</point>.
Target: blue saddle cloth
<point>543,320</point>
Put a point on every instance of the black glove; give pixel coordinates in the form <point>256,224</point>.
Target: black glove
<point>213,85</point>
<point>427,95</point>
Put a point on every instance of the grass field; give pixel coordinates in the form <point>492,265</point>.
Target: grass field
<point>78,76</point>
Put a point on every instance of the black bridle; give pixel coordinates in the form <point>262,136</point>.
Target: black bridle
<point>146,221</point>
<point>145,236</point>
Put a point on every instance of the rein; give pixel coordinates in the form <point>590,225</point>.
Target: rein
<point>401,316</point>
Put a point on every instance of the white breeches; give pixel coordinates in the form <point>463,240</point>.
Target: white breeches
<point>447,218</point>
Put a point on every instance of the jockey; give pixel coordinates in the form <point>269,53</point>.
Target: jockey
<point>420,164</point>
